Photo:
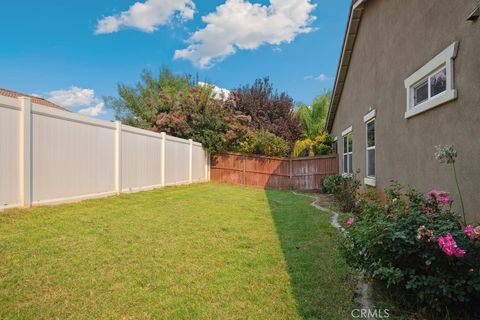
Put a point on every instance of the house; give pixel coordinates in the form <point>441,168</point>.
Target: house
<point>408,80</point>
<point>35,99</point>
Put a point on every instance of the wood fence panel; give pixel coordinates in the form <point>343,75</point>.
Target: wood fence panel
<point>272,172</point>
<point>228,168</point>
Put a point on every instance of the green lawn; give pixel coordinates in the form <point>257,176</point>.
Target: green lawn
<point>201,251</point>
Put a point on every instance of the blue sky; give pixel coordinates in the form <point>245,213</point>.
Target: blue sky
<point>76,53</point>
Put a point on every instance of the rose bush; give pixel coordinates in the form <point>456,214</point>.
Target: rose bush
<point>415,244</point>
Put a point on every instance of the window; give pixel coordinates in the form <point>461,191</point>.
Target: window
<point>335,145</point>
<point>438,82</point>
<point>420,93</point>
<point>371,148</point>
<point>430,87</point>
<point>347,151</point>
<point>432,84</point>
<point>369,120</point>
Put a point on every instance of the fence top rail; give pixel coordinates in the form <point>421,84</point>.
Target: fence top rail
<point>10,103</point>
<point>70,116</point>
<point>249,155</point>
<point>139,131</point>
<point>177,139</point>
<point>75,117</point>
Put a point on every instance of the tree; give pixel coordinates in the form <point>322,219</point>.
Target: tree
<point>313,118</point>
<point>139,106</point>
<point>320,145</point>
<point>199,116</point>
<point>269,110</point>
<point>178,105</point>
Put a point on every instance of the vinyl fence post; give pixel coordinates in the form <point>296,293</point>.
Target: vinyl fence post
<point>162,158</point>
<point>26,152</point>
<point>118,157</point>
<point>190,161</point>
<point>206,165</point>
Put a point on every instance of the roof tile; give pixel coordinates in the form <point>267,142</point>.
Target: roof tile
<point>37,100</point>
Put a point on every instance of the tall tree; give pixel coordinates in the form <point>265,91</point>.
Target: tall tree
<point>181,107</point>
<point>313,118</point>
<point>139,106</point>
<point>269,110</point>
<point>199,116</point>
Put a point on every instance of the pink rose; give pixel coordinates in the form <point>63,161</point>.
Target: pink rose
<point>439,196</point>
<point>349,222</point>
<point>424,234</point>
<point>468,230</point>
<point>444,200</point>
<point>449,246</point>
<point>459,253</point>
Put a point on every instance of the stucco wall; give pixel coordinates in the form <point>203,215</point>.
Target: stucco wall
<point>397,37</point>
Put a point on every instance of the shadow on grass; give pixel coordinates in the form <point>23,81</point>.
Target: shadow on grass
<point>321,281</point>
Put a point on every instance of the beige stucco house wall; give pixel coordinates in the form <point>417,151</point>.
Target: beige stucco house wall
<point>387,41</point>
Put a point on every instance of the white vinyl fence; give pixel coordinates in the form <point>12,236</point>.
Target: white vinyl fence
<point>53,156</point>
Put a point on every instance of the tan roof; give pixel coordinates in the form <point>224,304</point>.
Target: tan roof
<point>37,100</point>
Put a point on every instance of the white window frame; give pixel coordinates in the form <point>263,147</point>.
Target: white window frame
<point>444,59</point>
<point>369,117</point>
<point>345,133</point>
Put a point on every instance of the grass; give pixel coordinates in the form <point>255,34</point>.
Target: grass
<point>201,251</point>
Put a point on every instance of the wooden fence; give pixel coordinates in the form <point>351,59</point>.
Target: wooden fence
<point>271,172</point>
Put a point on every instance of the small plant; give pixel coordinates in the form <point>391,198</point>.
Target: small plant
<point>447,154</point>
<point>344,190</point>
<point>329,183</point>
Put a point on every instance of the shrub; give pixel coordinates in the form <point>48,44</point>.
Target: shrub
<point>417,245</point>
<point>264,143</point>
<point>344,190</point>
<point>329,183</point>
<point>321,145</point>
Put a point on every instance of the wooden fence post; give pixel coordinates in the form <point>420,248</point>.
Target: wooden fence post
<point>291,172</point>
<point>26,152</point>
<point>244,178</point>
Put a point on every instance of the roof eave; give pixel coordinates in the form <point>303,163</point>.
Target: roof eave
<point>356,13</point>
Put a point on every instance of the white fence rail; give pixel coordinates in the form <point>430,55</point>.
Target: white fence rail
<point>53,156</point>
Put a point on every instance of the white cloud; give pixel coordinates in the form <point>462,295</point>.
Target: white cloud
<point>147,16</point>
<point>95,111</point>
<point>220,93</point>
<point>75,97</point>
<point>241,25</point>
<point>320,77</point>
